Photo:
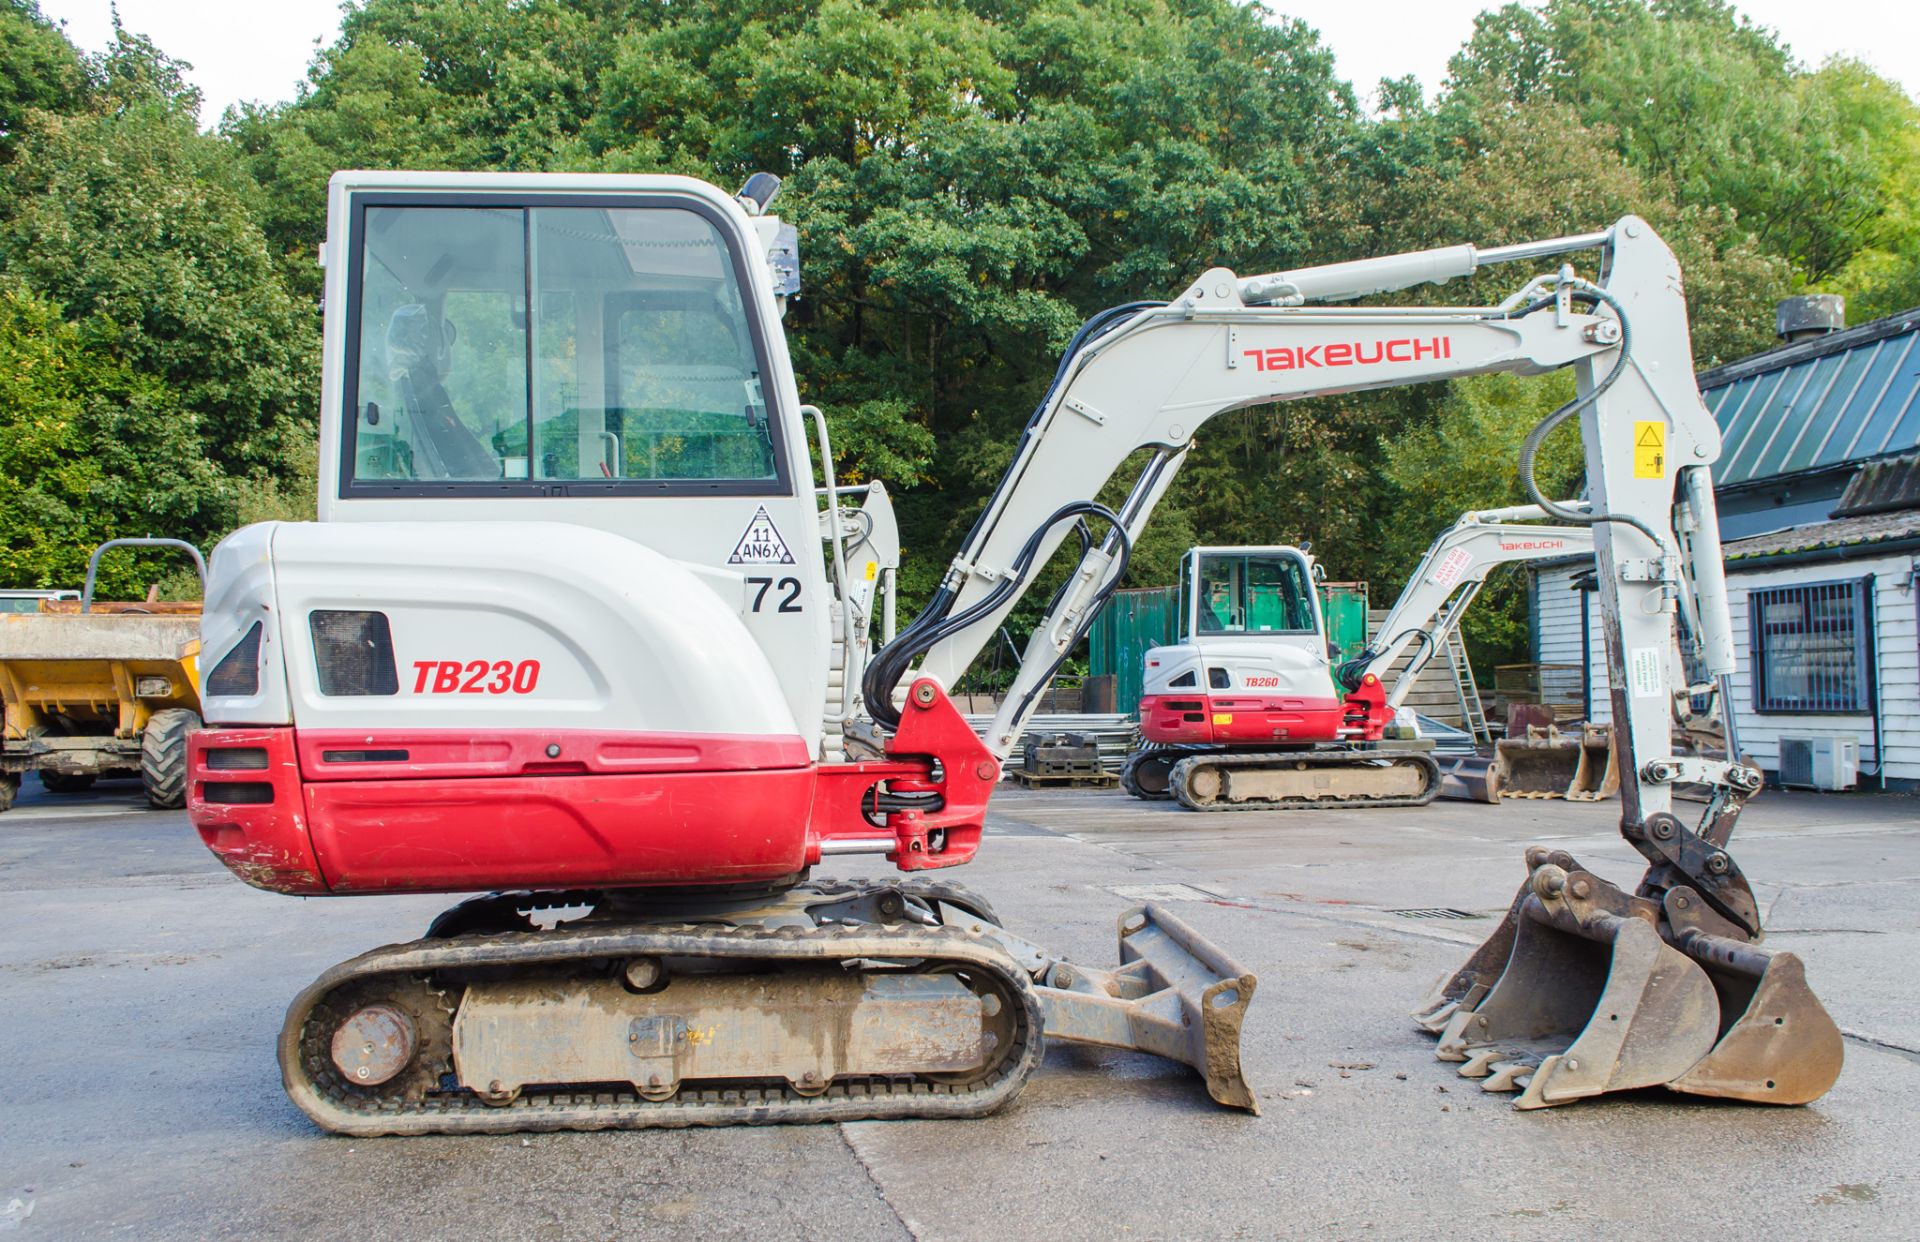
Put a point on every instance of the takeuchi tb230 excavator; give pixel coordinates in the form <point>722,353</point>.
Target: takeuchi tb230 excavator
<point>577,630</point>
<point>1248,710</point>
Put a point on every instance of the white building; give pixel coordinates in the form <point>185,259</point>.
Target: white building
<point>1819,494</point>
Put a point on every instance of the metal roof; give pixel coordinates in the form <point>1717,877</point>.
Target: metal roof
<point>1849,396</point>
<point>1882,487</point>
<point>1851,532</point>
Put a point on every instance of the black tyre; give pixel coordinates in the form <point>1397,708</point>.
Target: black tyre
<point>60,783</point>
<point>9,788</point>
<point>163,757</point>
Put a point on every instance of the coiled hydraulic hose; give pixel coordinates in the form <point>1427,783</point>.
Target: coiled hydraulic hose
<point>1530,448</point>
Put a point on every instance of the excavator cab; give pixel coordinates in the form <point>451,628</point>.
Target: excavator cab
<point>1265,591</point>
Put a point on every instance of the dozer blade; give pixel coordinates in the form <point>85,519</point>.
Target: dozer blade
<point>1466,987</point>
<point>1175,995</point>
<point>1541,765</point>
<point>1595,779</point>
<point>1592,999</point>
<point>1471,778</point>
<point>1778,1044</point>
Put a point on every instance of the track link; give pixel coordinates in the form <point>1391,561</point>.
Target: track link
<point>1191,775</point>
<point>441,968</point>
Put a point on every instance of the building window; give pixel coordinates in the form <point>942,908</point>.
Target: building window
<point>1812,648</point>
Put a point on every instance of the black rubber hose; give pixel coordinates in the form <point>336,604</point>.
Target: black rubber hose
<point>890,663</point>
<point>1530,449</point>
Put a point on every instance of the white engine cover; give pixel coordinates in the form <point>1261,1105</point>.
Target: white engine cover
<point>502,625</point>
<point>1266,664</point>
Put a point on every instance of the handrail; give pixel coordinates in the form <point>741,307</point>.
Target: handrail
<point>93,562</point>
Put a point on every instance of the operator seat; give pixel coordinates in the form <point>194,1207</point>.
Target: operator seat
<point>417,350</point>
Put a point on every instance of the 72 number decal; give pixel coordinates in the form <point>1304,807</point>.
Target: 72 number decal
<point>789,600</point>
<point>475,677</point>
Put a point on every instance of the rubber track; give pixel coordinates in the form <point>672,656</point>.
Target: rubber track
<point>1323,759</point>
<point>607,1108</point>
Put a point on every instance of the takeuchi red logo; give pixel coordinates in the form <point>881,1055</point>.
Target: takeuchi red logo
<point>1351,353</point>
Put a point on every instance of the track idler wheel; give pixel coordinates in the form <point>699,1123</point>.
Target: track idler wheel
<point>1148,774</point>
<point>384,1042</point>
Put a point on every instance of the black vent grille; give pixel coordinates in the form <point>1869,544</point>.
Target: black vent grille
<point>238,673</point>
<point>353,652</point>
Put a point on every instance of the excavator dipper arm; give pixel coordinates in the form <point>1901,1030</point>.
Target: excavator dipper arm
<point>1444,584</point>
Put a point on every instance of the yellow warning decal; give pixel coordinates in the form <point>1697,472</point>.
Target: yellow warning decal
<point>1649,450</point>
<point>1221,719</point>
<point>873,568</point>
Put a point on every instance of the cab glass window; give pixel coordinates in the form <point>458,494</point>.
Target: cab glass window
<point>597,345</point>
<point>1249,593</point>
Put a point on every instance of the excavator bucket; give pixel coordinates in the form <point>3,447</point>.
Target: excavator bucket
<point>1778,1044</point>
<point>1539,765</point>
<point>1175,995</point>
<point>1466,987</point>
<point>1595,778</point>
<point>1594,998</point>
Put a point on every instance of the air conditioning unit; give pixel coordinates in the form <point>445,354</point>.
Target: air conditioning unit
<point>1819,762</point>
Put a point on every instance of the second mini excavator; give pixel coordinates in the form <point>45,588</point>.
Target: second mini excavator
<point>1249,712</point>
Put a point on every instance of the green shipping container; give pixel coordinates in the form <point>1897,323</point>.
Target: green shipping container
<point>1132,622</point>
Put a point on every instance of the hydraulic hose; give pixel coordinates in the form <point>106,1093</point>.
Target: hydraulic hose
<point>889,664</point>
<point>1530,448</point>
<point>887,668</point>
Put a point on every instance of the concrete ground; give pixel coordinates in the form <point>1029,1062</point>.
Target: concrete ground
<point>141,989</point>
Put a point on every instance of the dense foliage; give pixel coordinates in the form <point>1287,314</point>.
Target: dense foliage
<point>971,179</point>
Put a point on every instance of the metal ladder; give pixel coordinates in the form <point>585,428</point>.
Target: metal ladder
<point>1464,685</point>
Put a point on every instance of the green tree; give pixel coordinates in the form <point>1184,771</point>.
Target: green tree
<point>39,70</point>
<point>124,210</point>
<point>1717,111</point>
<point>92,448</point>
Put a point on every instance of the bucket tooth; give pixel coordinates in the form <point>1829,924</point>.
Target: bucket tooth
<point>1175,995</point>
<point>1778,1044</point>
<point>1509,1076</point>
<point>1466,987</point>
<point>1592,993</point>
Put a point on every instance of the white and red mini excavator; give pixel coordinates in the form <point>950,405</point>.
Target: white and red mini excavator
<point>1249,711</point>
<point>578,630</point>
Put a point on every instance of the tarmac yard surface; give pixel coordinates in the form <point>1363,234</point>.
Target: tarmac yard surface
<point>142,988</point>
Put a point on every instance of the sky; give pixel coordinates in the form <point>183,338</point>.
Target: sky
<point>258,50</point>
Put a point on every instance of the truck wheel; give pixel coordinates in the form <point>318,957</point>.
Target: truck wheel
<point>163,757</point>
<point>60,783</point>
<point>9,786</point>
